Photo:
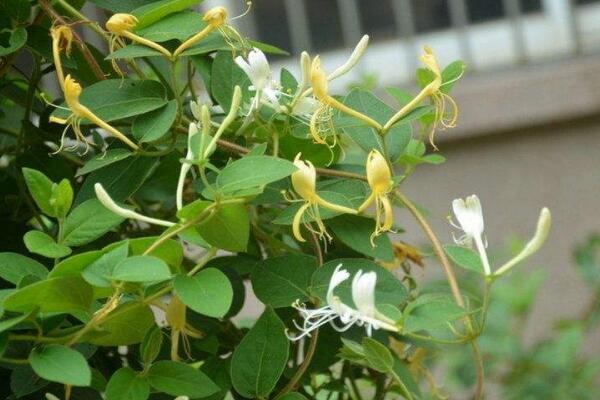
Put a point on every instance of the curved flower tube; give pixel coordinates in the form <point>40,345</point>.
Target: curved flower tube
<point>122,25</point>
<point>380,181</point>
<point>215,17</point>
<point>72,91</point>
<point>363,296</point>
<point>438,99</point>
<point>304,184</point>
<point>109,203</point>
<point>180,329</point>
<point>62,39</point>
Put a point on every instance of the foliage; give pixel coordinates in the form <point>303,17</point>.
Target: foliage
<point>171,171</point>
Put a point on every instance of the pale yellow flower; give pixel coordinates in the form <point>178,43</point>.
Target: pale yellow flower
<point>122,25</point>
<point>62,39</point>
<point>215,18</point>
<point>304,182</point>
<point>379,177</point>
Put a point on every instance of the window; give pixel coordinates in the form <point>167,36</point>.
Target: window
<point>271,23</point>
<point>484,10</point>
<point>324,24</point>
<point>530,6</point>
<point>431,15</point>
<point>586,1</point>
<point>377,21</point>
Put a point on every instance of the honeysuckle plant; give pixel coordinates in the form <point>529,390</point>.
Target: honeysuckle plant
<point>200,177</point>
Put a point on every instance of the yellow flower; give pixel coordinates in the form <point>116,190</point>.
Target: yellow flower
<point>439,99</point>
<point>380,181</point>
<point>62,39</point>
<point>122,25</point>
<point>215,18</point>
<point>180,329</point>
<point>304,184</point>
<point>72,91</point>
<point>321,124</point>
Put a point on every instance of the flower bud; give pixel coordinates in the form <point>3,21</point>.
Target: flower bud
<point>72,93</point>
<point>356,55</point>
<point>304,180</point>
<point>120,23</point>
<point>379,175</point>
<point>216,16</point>
<point>318,80</point>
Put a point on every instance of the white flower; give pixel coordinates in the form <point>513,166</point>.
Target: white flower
<point>305,106</point>
<point>258,70</point>
<point>365,314</point>
<point>470,218</point>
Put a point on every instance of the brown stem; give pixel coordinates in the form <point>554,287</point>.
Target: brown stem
<point>89,58</point>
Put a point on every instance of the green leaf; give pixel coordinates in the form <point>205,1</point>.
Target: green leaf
<point>126,384</point>
<point>179,379</point>
<point>61,364</point>
<point>87,222</point>
<point>74,265</point>
<point>133,51</point>
<point>126,325</point>
<point>292,396</point>
<point>377,355</point>
<point>40,243</point>
<point>141,269</point>
<point>102,160</point>
<point>465,258</point>
<point>120,6</point>
<point>451,74</point>
<point>10,322</point>
<point>209,292</point>
<point>150,346</point>
<point>396,140</point>
<point>430,311</point>
<point>64,294</point>
<point>98,272</point>
<point>120,179</point>
<point>225,76</point>
<point>355,232</point>
<point>180,25</point>
<point>260,358</point>
<point>40,187</point>
<point>388,290</point>
<point>280,281</point>
<point>228,229</point>
<point>250,172</point>
<point>155,124</point>
<point>114,99</point>
<point>170,251</point>
<point>62,198</point>
<point>14,267</point>
<point>16,39</point>
<point>155,11</point>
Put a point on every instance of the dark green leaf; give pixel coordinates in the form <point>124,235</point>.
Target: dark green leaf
<point>87,222</point>
<point>228,229</point>
<point>120,6</point>
<point>180,26</point>
<point>14,267</point>
<point>126,384</point>
<point>378,356</point>
<point>355,232</point>
<point>150,346</point>
<point>155,11</point>
<point>249,172</point>
<point>225,76</point>
<point>141,269</point>
<point>260,358</point>
<point>98,272</point>
<point>179,379</point>
<point>280,281</point>
<point>16,39</point>
<point>126,325</point>
<point>431,311</point>
<point>104,159</point>
<point>155,124</point>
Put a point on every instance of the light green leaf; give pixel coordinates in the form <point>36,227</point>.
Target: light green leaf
<point>179,379</point>
<point>40,187</point>
<point>61,364</point>
<point>40,243</point>
<point>209,292</point>
<point>260,358</point>
<point>155,124</point>
<point>62,198</point>
<point>14,267</point>
<point>87,222</point>
<point>64,294</point>
<point>74,265</point>
<point>155,11</point>
<point>150,346</point>
<point>355,232</point>
<point>114,99</point>
<point>280,281</point>
<point>228,229</point>
<point>170,251</point>
<point>250,172</point>
<point>180,25</point>
<point>465,258</point>
<point>126,325</point>
<point>141,269</point>
<point>104,159</point>
<point>430,311</point>
<point>16,39</point>
<point>98,272</point>
<point>377,355</point>
<point>126,384</point>
<point>120,6</point>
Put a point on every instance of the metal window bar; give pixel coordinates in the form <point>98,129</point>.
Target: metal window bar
<point>513,13</point>
<point>459,19</point>
<point>350,20</point>
<point>298,24</point>
<point>405,27</point>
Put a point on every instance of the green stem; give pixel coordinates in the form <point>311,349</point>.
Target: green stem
<point>9,360</point>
